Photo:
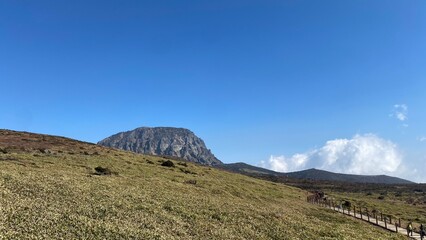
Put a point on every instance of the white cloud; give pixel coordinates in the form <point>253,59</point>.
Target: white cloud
<point>283,164</point>
<point>362,154</point>
<point>422,139</point>
<point>400,112</point>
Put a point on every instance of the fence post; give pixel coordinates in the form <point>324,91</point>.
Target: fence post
<point>354,211</point>
<point>377,220</point>
<point>399,222</point>
<point>360,211</point>
<point>396,227</point>
<point>386,225</point>
<point>390,219</point>
<point>368,214</point>
<point>381,216</point>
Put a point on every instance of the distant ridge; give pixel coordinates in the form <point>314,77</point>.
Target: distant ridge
<point>316,174</point>
<point>243,168</point>
<point>163,141</point>
<point>311,174</point>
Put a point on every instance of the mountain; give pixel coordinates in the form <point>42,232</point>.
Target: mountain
<point>316,174</point>
<point>167,141</point>
<point>60,188</point>
<point>310,174</point>
<point>247,169</point>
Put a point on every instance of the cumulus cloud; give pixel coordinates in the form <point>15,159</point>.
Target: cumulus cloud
<point>284,164</point>
<point>422,139</point>
<point>400,112</point>
<point>362,154</point>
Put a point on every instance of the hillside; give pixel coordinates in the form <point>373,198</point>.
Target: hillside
<point>310,174</point>
<point>316,174</point>
<point>167,141</point>
<point>247,169</point>
<point>59,188</point>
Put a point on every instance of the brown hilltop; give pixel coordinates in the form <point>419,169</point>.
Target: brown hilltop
<point>16,141</point>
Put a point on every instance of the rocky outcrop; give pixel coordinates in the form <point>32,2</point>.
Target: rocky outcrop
<point>175,142</point>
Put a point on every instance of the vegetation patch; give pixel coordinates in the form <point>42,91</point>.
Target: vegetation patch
<point>191,181</point>
<point>186,171</point>
<point>168,163</point>
<point>44,150</point>
<point>183,164</point>
<point>104,171</point>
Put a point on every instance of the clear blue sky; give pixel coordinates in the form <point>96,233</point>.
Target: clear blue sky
<point>252,78</point>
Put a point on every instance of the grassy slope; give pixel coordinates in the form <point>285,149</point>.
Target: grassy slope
<point>55,195</point>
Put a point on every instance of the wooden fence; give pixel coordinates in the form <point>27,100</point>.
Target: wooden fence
<point>373,216</point>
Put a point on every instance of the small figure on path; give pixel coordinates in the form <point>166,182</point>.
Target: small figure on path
<point>409,229</point>
<point>422,232</point>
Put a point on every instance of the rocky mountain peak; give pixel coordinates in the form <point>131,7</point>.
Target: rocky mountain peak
<point>175,142</point>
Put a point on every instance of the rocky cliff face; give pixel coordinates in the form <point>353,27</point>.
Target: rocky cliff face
<point>176,142</point>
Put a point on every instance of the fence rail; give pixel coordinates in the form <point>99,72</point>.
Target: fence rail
<point>372,216</point>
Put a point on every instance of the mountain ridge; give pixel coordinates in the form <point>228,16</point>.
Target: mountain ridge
<point>313,174</point>
<point>318,174</point>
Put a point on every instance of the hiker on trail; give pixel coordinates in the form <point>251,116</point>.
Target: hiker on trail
<point>410,229</point>
<point>422,232</point>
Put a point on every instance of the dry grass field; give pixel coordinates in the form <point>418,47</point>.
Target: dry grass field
<point>50,190</point>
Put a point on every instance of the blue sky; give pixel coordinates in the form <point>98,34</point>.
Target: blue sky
<point>260,81</point>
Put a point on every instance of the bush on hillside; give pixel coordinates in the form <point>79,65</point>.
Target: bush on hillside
<point>346,204</point>
<point>168,163</point>
<point>103,171</point>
